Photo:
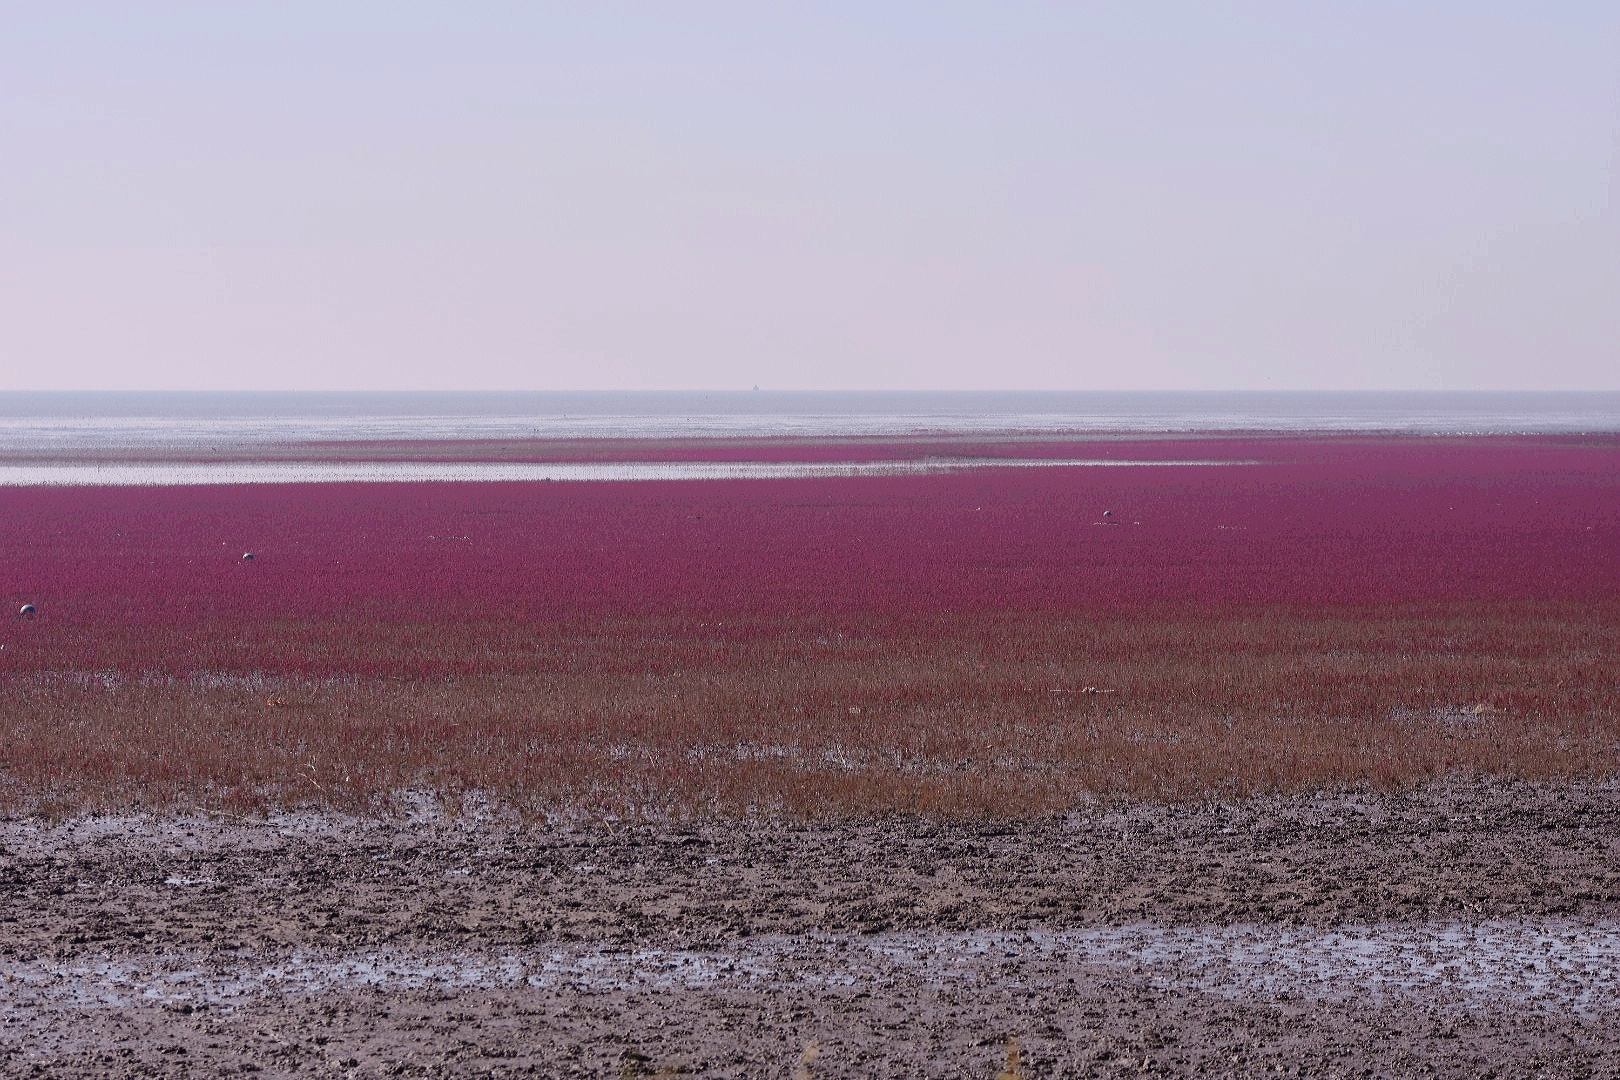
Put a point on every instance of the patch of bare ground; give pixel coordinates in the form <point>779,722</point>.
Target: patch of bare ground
<point>1462,929</point>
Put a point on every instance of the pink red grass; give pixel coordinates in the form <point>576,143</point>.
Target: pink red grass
<point>1325,616</point>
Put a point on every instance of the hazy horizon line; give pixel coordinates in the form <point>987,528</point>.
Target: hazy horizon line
<point>839,391</point>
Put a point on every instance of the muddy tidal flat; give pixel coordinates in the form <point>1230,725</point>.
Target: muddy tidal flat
<point>1467,929</point>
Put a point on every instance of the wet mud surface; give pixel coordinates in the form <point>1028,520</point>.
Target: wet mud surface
<point>1465,930</point>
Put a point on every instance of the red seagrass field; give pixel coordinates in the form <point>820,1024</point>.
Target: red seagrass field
<point>1006,640</point>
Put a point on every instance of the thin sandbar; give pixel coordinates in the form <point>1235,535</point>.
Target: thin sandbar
<point>181,474</point>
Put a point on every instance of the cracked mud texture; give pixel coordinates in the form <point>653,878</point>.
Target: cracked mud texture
<point>316,944</point>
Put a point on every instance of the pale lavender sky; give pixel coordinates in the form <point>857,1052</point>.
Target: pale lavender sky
<point>864,196</point>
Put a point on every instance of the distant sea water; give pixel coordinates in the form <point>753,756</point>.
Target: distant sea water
<point>112,427</point>
<point>112,419</point>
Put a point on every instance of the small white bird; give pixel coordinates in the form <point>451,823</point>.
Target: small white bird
<point>27,611</point>
<point>247,556</point>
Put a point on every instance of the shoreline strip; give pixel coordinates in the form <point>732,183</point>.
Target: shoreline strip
<point>182,474</point>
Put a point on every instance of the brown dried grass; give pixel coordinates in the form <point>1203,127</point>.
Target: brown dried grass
<point>939,717</point>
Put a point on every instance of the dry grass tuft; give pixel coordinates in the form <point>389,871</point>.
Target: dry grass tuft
<point>812,1050</point>
<point>1014,1059</point>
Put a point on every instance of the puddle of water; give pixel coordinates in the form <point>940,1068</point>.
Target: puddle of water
<point>1545,964</point>
<point>174,474</point>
